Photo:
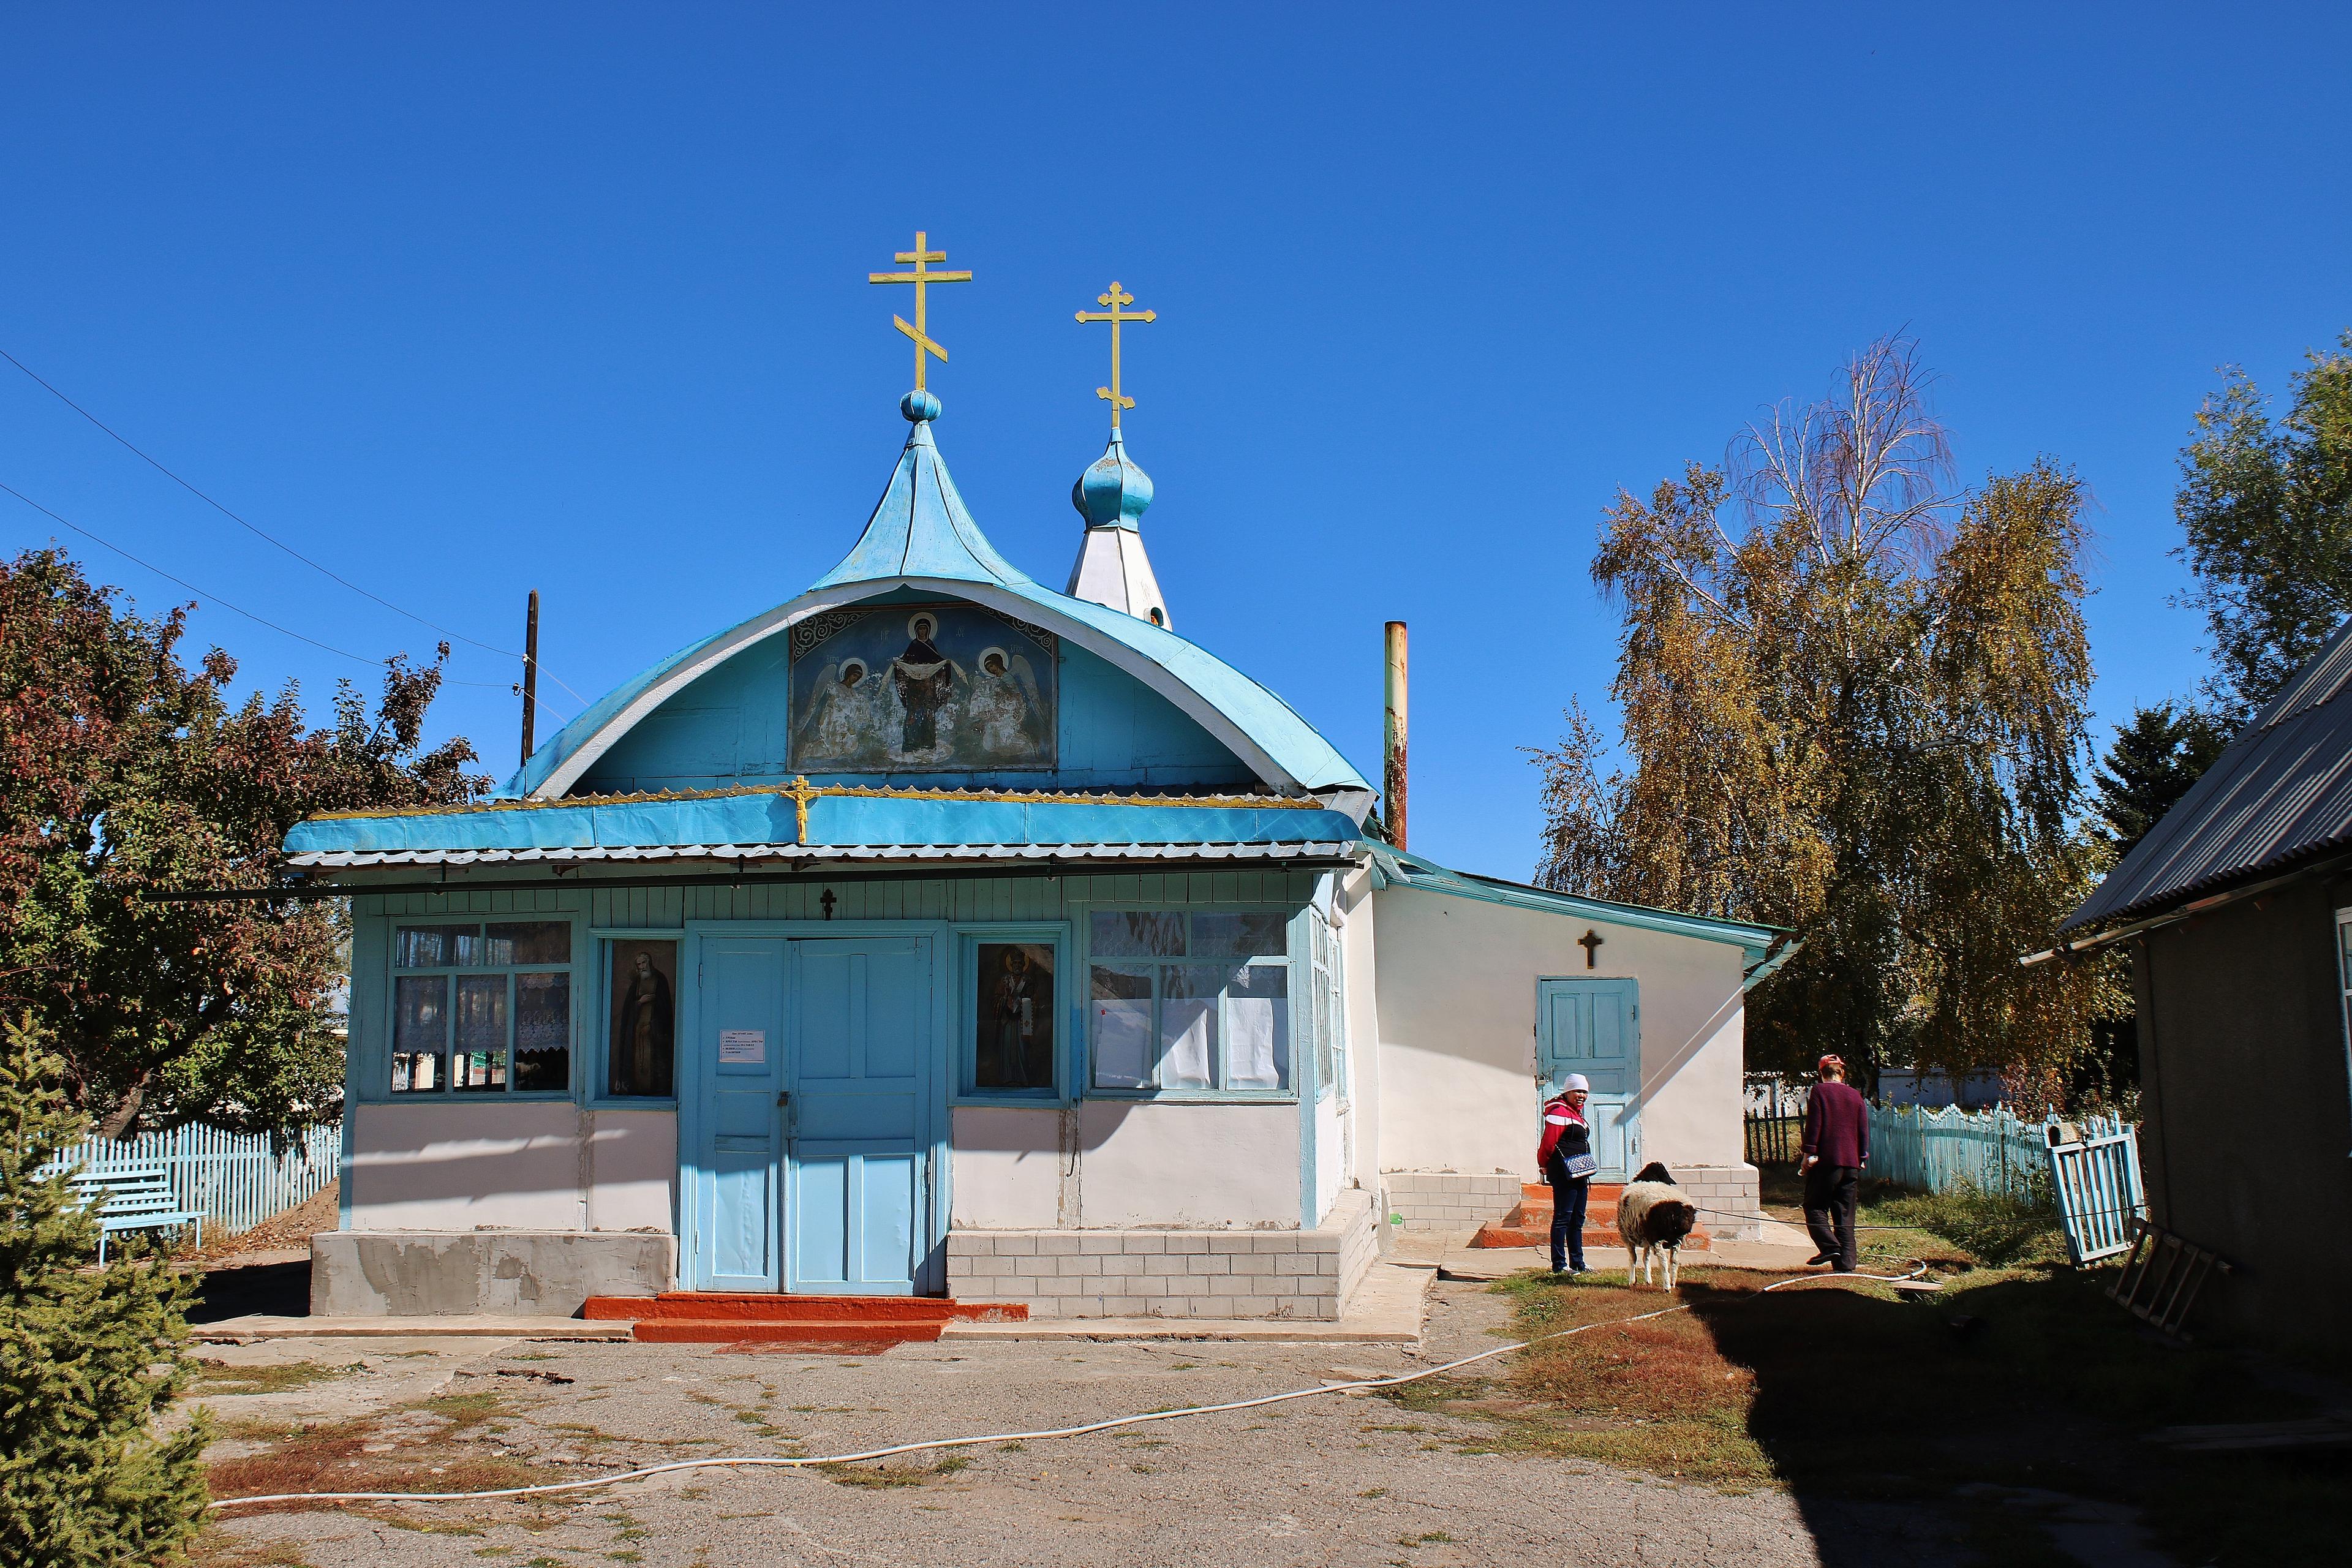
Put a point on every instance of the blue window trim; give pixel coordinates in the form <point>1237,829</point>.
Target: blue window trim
<point>1293,916</point>
<point>374,1084</point>
<point>1070,1007</point>
<point>599,1034</point>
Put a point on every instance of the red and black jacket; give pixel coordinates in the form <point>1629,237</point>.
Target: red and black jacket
<point>1565,1136</point>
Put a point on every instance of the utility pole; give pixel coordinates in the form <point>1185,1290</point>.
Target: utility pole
<point>529,677</point>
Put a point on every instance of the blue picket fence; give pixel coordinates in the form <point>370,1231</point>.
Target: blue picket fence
<point>1994,1150</point>
<point>234,1179</point>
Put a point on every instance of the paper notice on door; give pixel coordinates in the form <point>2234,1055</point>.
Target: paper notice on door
<point>748,1047</point>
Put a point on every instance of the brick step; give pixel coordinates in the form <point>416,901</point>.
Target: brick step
<point>1529,1225</point>
<point>722,1307</point>
<point>832,1334</point>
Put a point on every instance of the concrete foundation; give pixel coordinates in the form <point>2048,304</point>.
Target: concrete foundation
<point>525,1273</point>
<point>1451,1200</point>
<point>1172,1273</point>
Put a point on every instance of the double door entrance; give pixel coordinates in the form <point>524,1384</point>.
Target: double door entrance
<point>1594,1027</point>
<point>810,1131</point>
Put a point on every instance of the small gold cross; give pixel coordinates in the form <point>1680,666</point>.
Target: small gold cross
<point>1117,316</point>
<point>921,277</point>
<point>799,792</point>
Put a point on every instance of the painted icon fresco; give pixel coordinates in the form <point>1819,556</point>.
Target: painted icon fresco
<point>1013,1014</point>
<point>922,688</point>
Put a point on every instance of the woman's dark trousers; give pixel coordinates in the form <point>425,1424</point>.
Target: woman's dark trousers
<point>1568,1223</point>
<point>1830,1193</point>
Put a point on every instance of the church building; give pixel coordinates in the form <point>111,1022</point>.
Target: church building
<point>936,932</point>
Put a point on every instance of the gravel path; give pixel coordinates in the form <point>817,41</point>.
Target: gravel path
<point>1339,1480</point>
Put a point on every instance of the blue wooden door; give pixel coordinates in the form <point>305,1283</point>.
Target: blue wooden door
<point>739,1052</point>
<point>858,1193</point>
<point>1593,1026</point>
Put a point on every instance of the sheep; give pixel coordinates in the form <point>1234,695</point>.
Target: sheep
<point>1654,1216</point>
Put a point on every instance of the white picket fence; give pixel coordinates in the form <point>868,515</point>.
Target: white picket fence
<point>234,1179</point>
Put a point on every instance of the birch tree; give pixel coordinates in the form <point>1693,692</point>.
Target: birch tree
<point>1854,703</point>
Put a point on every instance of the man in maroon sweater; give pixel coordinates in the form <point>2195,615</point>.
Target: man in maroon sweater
<point>1836,1147</point>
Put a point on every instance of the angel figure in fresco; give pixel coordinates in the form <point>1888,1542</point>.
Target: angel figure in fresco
<point>841,723</point>
<point>1004,703</point>
<point>925,681</point>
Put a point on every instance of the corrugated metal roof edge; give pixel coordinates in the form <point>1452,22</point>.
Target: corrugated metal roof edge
<point>2304,856</point>
<point>1769,946</point>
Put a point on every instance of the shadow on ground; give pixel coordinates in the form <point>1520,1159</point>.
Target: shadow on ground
<point>276,1290</point>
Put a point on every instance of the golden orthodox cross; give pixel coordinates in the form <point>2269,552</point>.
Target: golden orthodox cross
<point>921,277</point>
<point>799,792</point>
<point>1117,299</point>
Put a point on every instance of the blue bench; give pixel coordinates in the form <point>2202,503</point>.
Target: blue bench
<point>133,1197</point>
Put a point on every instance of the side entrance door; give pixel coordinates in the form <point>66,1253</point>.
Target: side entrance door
<point>1593,1026</point>
<point>858,1197</point>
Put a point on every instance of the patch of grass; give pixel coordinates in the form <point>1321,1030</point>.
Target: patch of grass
<point>221,1378</point>
<point>1994,1228</point>
<point>877,1478</point>
<point>217,1548</point>
<point>465,1411</point>
<point>2019,1377</point>
<point>333,1456</point>
<point>1376,1491</point>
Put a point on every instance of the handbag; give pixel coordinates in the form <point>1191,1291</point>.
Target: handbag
<point>1580,1166</point>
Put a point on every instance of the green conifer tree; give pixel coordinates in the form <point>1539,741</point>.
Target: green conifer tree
<point>88,1358</point>
<point>2153,761</point>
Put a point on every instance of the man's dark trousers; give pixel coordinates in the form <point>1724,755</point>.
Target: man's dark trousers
<point>1568,1223</point>
<point>1829,1211</point>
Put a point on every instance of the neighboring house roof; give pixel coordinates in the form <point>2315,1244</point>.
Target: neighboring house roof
<point>1763,948</point>
<point>921,536</point>
<point>2279,796</point>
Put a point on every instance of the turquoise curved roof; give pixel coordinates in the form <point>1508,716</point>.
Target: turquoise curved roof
<point>923,535</point>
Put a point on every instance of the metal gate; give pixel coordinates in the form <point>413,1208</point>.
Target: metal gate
<point>2096,1178</point>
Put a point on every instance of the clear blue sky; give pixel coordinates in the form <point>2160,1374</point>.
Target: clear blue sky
<point>465,301</point>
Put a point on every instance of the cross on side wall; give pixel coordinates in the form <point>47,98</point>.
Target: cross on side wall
<point>1590,943</point>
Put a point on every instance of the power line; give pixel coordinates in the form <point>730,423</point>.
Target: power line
<point>260,534</point>
<point>214,598</point>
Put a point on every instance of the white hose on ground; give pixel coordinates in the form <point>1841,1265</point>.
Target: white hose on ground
<point>779,1462</point>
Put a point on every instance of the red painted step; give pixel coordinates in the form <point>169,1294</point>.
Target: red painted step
<point>839,1322</point>
<point>1529,1225</point>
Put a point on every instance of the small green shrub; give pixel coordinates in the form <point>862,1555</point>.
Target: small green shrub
<point>88,1359</point>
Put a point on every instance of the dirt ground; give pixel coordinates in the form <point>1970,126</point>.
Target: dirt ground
<point>1340,1480</point>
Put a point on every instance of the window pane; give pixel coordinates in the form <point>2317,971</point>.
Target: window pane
<point>1258,1002</point>
<point>479,1060</point>
<point>540,942</point>
<point>1188,1026</point>
<point>1258,935</point>
<point>1122,1028</point>
<point>1136,934</point>
<point>542,1042</point>
<point>432,947</point>
<point>1323,1040</point>
<point>645,1018</point>
<point>1014,1047</point>
<point>420,1029</point>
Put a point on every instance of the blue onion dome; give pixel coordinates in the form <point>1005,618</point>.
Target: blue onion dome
<point>1112,493</point>
<point>918,405</point>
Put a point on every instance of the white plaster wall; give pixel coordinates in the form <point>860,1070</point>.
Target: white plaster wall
<point>1007,1168</point>
<point>1457,1017</point>
<point>1357,935</point>
<point>1330,1154</point>
<point>445,1167</point>
<point>631,1169</point>
<point>1177,1165</point>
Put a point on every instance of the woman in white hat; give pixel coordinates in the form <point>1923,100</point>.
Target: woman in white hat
<point>1567,1159</point>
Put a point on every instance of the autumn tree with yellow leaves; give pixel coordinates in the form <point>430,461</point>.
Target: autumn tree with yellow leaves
<point>1854,704</point>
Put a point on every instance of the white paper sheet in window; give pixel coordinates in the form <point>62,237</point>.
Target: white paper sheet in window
<point>1252,1052</point>
<point>1188,1045</point>
<point>1122,1037</point>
